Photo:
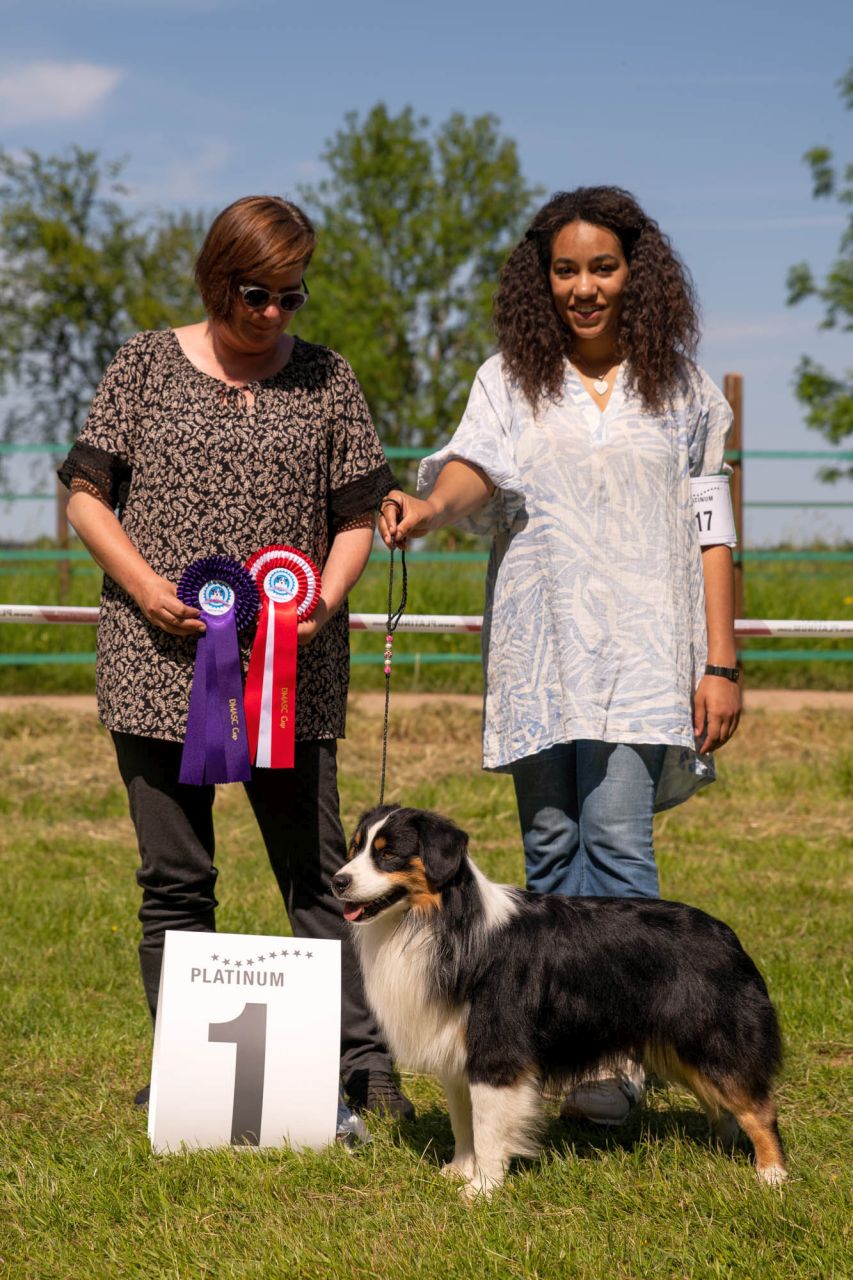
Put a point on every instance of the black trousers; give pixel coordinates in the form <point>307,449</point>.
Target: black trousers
<point>298,813</point>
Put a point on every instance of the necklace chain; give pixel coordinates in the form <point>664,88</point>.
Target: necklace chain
<point>600,382</point>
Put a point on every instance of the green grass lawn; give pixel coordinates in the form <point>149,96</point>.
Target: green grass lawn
<point>767,848</point>
<point>773,590</point>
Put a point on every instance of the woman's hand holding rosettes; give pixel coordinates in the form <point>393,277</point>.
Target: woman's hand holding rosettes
<point>308,630</point>
<point>158,600</point>
<point>402,516</point>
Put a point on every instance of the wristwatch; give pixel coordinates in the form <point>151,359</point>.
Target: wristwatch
<point>728,673</point>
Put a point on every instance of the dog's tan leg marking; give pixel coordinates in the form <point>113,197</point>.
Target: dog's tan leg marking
<point>506,1124</point>
<point>758,1121</point>
<point>459,1106</point>
<point>757,1117</point>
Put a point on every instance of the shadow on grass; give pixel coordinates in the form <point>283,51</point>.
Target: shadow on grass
<point>431,1136</point>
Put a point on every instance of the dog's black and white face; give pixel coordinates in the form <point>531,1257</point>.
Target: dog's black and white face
<point>398,858</point>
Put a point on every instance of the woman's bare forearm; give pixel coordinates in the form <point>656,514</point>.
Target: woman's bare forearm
<point>103,537</point>
<point>461,488</point>
<point>107,543</point>
<point>718,569</point>
<point>345,564</point>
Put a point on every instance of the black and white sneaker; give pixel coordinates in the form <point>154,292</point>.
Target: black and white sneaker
<point>377,1091</point>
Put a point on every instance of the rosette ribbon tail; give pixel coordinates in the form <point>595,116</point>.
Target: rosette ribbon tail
<point>216,748</point>
<point>271,687</point>
<point>288,584</point>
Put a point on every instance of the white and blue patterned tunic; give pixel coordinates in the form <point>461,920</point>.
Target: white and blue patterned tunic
<point>594,622</point>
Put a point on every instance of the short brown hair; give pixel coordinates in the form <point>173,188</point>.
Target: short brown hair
<point>255,236</point>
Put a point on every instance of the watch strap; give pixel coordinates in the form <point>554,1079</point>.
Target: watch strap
<point>728,673</point>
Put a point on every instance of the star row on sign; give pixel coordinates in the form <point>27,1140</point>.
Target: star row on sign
<point>271,955</point>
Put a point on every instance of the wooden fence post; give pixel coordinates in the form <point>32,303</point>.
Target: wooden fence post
<point>733,391</point>
<point>62,539</point>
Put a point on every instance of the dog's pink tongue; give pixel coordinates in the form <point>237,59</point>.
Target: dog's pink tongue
<point>353,912</point>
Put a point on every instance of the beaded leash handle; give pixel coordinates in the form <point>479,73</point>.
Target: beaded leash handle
<point>394,617</point>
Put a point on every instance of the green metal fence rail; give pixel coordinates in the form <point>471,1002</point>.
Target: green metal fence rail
<point>17,556</point>
<point>10,558</point>
<point>428,659</point>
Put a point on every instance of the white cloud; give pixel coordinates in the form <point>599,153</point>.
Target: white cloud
<point>43,92</point>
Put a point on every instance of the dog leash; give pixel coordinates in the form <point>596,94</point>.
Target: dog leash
<point>394,616</point>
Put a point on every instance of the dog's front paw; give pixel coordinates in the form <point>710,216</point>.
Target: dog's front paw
<point>459,1167</point>
<point>479,1186</point>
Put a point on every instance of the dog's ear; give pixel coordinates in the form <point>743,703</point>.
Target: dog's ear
<point>443,845</point>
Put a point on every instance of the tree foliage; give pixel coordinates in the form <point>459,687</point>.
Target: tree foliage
<point>413,224</point>
<point>828,397</point>
<point>79,274</point>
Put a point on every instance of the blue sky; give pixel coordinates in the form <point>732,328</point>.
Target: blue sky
<point>703,112</point>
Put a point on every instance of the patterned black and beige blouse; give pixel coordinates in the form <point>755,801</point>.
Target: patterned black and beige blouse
<point>193,470</point>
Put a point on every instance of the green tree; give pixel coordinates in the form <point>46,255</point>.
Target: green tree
<point>414,224</point>
<point>829,397</point>
<point>79,274</point>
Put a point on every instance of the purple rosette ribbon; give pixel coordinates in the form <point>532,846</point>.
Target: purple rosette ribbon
<point>215,748</point>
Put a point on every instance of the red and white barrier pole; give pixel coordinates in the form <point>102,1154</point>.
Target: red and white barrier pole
<point>451,623</point>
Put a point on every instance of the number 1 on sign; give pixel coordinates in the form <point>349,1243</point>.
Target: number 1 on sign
<point>249,1032</point>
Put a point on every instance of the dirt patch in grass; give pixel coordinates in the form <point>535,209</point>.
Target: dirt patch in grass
<point>369,700</point>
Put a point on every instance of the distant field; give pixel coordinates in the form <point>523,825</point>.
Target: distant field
<point>777,590</point>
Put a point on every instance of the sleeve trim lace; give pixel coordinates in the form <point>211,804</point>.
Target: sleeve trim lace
<point>108,473</point>
<point>361,495</point>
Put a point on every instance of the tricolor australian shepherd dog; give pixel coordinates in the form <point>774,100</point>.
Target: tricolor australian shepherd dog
<point>500,993</point>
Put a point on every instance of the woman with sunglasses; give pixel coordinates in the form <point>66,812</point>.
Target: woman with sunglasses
<point>576,453</point>
<point>219,438</point>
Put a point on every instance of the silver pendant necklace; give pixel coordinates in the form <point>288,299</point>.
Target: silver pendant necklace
<point>601,385</point>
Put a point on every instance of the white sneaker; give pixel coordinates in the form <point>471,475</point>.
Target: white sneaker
<point>608,1100</point>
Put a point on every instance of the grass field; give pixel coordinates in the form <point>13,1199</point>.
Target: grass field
<point>773,590</point>
<point>767,848</point>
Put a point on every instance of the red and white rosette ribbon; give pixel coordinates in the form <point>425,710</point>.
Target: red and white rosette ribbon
<point>289,586</point>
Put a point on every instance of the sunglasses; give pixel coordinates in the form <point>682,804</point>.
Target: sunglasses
<point>256,297</point>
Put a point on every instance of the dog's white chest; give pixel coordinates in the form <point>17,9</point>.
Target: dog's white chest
<point>423,1033</point>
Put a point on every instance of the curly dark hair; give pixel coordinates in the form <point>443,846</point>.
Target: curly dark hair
<point>658,321</point>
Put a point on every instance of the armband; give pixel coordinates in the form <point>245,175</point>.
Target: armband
<point>712,510</point>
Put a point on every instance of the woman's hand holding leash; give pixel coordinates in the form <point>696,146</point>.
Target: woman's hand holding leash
<point>402,516</point>
<point>461,488</point>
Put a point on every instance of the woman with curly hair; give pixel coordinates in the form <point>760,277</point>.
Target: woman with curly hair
<point>576,452</point>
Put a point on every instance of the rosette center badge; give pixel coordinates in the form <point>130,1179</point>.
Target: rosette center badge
<point>281,585</point>
<point>216,598</point>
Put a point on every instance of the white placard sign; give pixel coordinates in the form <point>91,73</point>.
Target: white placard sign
<point>247,1042</point>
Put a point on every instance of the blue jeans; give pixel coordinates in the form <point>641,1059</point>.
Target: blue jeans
<point>586,818</point>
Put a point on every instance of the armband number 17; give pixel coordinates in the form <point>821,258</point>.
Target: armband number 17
<point>712,510</point>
